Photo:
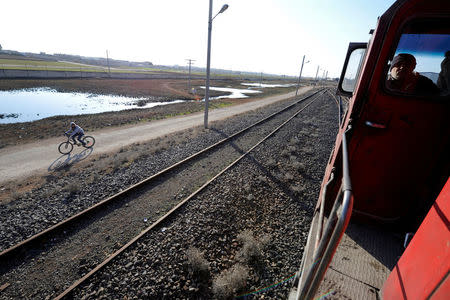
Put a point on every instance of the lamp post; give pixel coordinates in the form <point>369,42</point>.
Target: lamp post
<point>208,56</point>
<point>300,76</point>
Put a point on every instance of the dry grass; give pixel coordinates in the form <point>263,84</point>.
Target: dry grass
<point>93,178</point>
<point>294,141</point>
<point>15,196</point>
<point>292,149</point>
<point>299,166</point>
<point>271,163</point>
<point>288,176</point>
<point>72,188</point>
<point>228,283</point>
<point>247,188</point>
<point>252,248</point>
<point>262,179</point>
<point>297,189</point>
<point>308,150</point>
<point>285,153</point>
<point>196,261</point>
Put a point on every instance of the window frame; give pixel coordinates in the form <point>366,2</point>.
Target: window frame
<point>386,67</point>
<point>351,48</point>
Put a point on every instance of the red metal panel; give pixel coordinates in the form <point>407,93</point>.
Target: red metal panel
<point>423,269</point>
<point>443,291</point>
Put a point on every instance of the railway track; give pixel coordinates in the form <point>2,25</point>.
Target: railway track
<point>125,205</point>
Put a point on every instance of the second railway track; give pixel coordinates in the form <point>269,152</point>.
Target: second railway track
<point>103,230</point>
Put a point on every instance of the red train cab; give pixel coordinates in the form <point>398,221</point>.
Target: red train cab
<point>381,226</point>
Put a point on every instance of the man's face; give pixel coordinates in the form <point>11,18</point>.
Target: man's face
<point>73,126</point>
<point>402,70</point>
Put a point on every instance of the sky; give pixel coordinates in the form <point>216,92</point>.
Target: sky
<point>269,36</point>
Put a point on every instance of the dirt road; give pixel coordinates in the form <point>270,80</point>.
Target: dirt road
<point>39,157</point>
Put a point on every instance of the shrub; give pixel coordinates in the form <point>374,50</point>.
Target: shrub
<point>262,178</point>
<point>196,261</point>
<point>285,153</point>
<point>298,165</point>
<point>72,188</point>
<point>15,195</point>
<point>251,250</point>
<point>308,150</point>
<point>297,189</point>
<point>230,281</point>
<point>294,141</point>
<point>288,176</point>
<point>271,162</point>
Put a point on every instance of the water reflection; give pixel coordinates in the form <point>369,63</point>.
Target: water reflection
<point>35,104</point>
<point>234,93</point>
<point>265,85</point>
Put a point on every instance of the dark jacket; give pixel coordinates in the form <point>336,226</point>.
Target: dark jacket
<point>416,84</point>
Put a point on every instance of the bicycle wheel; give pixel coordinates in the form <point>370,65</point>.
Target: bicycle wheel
<point>89,140</point>
<point>65,147</point>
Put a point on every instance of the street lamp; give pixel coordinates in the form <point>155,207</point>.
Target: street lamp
<point>300,76</point>
<point>208,56</point>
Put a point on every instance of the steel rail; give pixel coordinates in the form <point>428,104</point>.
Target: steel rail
<point>100,266</point>
<point>16,250</point>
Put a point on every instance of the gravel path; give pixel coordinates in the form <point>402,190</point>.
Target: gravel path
<point>283,175</point>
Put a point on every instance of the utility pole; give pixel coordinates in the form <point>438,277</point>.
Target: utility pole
<point>323,75</point>
<point>317,72</point>
<point>326,75</point>
<point>107,61</point>
<point>260,81</point>
<point>190,63</point>
<point>300,75</point>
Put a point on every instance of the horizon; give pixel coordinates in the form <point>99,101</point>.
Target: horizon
<point>251,36</point>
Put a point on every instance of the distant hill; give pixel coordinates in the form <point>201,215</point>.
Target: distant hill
<point>96,61</point>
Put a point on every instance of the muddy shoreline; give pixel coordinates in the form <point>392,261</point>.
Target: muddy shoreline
<point>155,90</point>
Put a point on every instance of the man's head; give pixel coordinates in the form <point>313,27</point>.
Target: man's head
<point>72,124</point>
<point>402,66</point>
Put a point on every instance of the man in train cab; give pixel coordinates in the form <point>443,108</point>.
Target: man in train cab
<point>402,77</point>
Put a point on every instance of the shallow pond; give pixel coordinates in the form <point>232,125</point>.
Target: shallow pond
<point>265,85</point>
<point>35,104</point>
<point>234,93</point>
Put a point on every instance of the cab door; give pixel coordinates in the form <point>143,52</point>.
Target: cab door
<point>400,138</point>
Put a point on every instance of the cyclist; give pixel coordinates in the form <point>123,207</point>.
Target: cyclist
<point>76,132</point>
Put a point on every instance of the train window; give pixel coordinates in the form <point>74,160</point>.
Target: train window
<point>352,70</point>
<point>420,64</point>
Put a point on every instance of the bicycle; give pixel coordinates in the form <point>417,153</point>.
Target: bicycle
<point>67,146</point>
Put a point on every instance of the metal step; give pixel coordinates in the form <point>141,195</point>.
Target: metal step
<point>361,264</point>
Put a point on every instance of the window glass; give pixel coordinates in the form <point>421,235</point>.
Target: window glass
<point>352,71</point>
<point>421,62</point>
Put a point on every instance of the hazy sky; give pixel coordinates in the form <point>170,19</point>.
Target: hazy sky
<point>269,36</point>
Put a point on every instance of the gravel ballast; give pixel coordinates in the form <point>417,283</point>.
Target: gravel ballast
<point>270,194</point>
<point>258,196</point>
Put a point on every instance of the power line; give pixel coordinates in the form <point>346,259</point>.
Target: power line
<point>190,63</point>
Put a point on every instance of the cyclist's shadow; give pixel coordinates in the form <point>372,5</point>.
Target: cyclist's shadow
<point>67,160</point>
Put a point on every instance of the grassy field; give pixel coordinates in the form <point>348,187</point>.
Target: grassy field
<point>16,63</point>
